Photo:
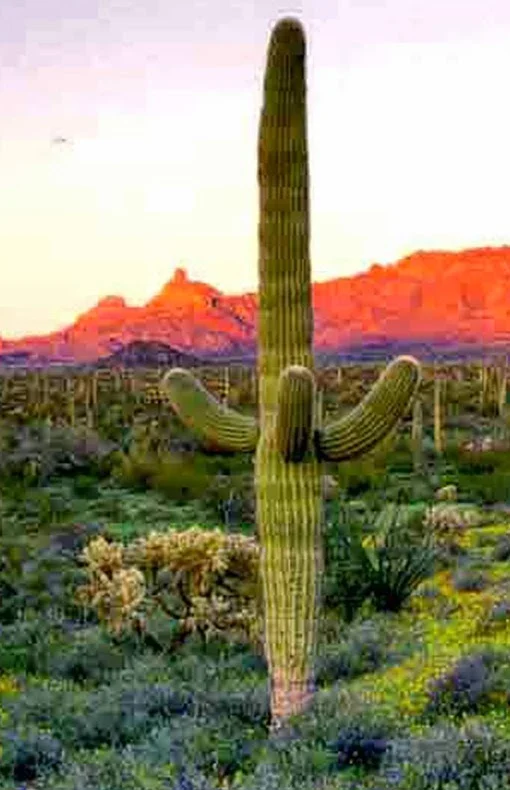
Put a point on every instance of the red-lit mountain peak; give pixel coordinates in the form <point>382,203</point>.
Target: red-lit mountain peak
<point>182,294</point>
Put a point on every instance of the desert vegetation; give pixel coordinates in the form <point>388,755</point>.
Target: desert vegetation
<point>131,625</point>
<point>331,612</point>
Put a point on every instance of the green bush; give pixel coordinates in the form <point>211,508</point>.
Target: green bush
<point>364,649</point>
<point>29,756</point>
<point>179,478</point>
<point>468,579</point>
<point>37,454</point>
<point>467,686</point>
<point>91,657</point>
<point>501,552</point>
<point>447,758</point>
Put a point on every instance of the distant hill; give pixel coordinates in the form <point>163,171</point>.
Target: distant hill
<point>148,353</point>
<point>453,303</point>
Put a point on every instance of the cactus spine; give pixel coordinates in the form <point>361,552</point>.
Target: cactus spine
<point>289,444</point>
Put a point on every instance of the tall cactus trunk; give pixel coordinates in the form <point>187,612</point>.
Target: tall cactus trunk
<point>289,442</point>
<point>289,495</point>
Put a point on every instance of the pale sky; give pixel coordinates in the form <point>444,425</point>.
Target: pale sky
<point>409,139</point>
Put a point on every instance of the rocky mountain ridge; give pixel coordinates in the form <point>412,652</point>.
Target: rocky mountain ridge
<point>450,299</point>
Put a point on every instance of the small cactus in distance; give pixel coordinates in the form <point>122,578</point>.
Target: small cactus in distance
<point>417,435</point>
<point>289,445</point>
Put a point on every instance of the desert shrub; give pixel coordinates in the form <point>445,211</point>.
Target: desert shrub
<point>476,462</point>
<point>469,758</point>
<point>41,454</point>
<point>205,580</point>
<point>41,573</point>
<point>501,551</point>
<point>111,716</point>
<point>40,508</point>
<point>231,499</point>
<point>216,748</point>
<point>25,646</point>
<point>363,650</point>
<point>103,768</point>
<point>483,474</point>
<point>249,706</point>
<point>85,486</point>
<point>91,657</point>
<point>357,746</point>
<point>358,477</point>
<point>180,479</point>
<point>490,488</point>
<point>326,738</point>
<point>469,579</point>
<point>134,469</point>
<point>14,551</point>
<point>450,526</point>
<point>499,613</point>
<point>464,687</point>
<point>26,757</point>
<point>108,769</point>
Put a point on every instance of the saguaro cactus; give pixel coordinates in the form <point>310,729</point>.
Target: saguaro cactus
<point>438,412</point>
<point>290,446</point>
<point>417,435</point>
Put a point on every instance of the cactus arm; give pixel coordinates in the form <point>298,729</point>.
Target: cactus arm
<point>215,425</point>
<point>294,416</point>
<point>375,417</point>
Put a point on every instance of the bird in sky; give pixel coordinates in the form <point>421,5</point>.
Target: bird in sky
<point>60,140</point>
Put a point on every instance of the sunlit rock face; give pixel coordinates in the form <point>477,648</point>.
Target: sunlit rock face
<point>456,297</point>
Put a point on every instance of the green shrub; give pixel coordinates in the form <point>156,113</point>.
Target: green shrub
<point>25,646</point>
<point>37,454</point>
<point>115,715</point>
<point>179,478</point>
<point>85,486</point>
<point>29,756</point>
<point>363,650</point>
<point>467,579</point>
<point>501,551</point>
<point>469,758</point>
<point>231,499</point>
<point>90,658</point>
<point>465,687</point>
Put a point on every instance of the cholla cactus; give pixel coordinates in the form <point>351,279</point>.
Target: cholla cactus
<point>450,525</point>
<point>290,447</point>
